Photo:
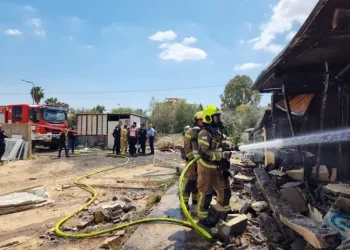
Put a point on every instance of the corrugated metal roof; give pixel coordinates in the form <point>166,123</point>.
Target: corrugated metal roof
<point>325,36</point>
<point>298,104</point>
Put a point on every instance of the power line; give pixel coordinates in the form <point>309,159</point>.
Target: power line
<point>119,91</point>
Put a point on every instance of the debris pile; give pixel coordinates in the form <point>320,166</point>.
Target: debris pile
<point>275,209</point>
<point>16,149</point>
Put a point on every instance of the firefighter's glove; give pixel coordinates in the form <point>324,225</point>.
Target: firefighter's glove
<point>226,155</point>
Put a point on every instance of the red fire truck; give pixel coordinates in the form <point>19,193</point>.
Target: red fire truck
<point>47,121</point>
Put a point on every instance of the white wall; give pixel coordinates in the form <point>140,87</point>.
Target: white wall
<point>136,119</point>
<point>111,127</point>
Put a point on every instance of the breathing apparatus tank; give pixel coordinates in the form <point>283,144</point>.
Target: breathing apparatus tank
<point>194,141</point>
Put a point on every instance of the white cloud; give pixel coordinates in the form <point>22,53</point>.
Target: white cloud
<point>290,35</point>
<point>89,46</point>
<point>189,40</point>
<point>76,20</point>
<point>28,8</point>
<point>241,42</point>
<point>161,36</point>
<point>274,48</point>
<point>36,24</point>
<point>284,14</point>
<point>180,52</point>
<point>254,40</point>
<point>12,32</point>
<point>248,66</point>
<point>249,25</point>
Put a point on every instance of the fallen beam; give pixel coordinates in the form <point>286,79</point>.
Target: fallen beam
<point>316,234</point>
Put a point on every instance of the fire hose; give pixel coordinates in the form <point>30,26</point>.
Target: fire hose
<point>188,223</point>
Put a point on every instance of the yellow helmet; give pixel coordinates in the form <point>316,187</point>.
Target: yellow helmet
<point>198,116</point>
<point>209,112</point>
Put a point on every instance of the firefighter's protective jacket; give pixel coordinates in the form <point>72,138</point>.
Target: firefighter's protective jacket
<point>208,144</point>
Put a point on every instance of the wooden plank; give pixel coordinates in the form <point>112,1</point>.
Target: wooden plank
<point>318,236</point>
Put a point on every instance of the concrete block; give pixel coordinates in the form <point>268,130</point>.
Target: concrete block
<point>237,225</point>
<point>248,188</point>
<point>217,212</point>
<point>241,177</point>
<point>298,174</point>
<point>292,184</point>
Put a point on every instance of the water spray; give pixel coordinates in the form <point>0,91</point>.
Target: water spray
<point>315,138</point>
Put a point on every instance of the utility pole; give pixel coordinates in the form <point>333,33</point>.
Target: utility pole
<point>32,88</point>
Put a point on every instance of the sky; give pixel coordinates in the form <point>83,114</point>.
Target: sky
<point>121,53</point>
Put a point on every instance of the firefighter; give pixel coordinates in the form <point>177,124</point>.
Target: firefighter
<point>63,144</point>
<point>190,149</point>
<point>2,142</point>
<point>132,137</point>
<point>124,140</point>
<point>210,177</point>
<point>116,136</point>
<point>142,136</point>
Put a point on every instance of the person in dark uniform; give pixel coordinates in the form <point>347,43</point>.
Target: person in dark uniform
<point>2,142</point>
<point>142,136</point>
<point>71,139</point>
<point>63,144</point>
<point>116,134</point>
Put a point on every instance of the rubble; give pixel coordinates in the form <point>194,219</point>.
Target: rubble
<point>294,199</point>
<point>259,206</point>
<point>316,235</point>
<point>336,190</point>
<point>338,217</point>
<point>278,177</point>
<point>298,243</point>
<point>298,174</point>
<point>112,242</point>
<point>236,225</point>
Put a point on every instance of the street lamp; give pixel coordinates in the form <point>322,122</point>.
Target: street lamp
<point>33,87</point>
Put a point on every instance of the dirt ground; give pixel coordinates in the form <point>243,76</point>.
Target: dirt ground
<point>28,227</point>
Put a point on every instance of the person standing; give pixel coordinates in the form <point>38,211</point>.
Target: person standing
<point>71,139</point>
<point>142,136</point>
<point>191,151</point>
<point>124,140</point>
<point>116,135</point>
<point>132,137</point>
<point>63,144</point>
<point>151,135</point>
<point>210,176</point>
<point>2,142</point>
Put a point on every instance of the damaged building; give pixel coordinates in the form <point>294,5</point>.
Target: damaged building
<point>306,186</point>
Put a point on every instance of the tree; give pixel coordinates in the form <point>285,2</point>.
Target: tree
<point>37,93</point>
<point>200,107</point>
<point>98,109</point>
<point>239,91</point>
<point>184,115</point>
<point>51,101</point>
<point>163,117</point>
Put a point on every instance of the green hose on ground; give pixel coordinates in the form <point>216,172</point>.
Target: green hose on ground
<point>189,223</point>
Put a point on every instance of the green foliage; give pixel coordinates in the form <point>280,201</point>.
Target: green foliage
<point>127,110</point>
<point>170,117</point>
<point>97,110</point>
<point>239,91</point>
<point>54,101</point>
<point>37,93</point>
<point>200,107</point>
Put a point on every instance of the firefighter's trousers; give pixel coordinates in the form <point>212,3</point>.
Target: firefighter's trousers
<point>209,179</point>
<point>123,146</point>
<point>190,185</point>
